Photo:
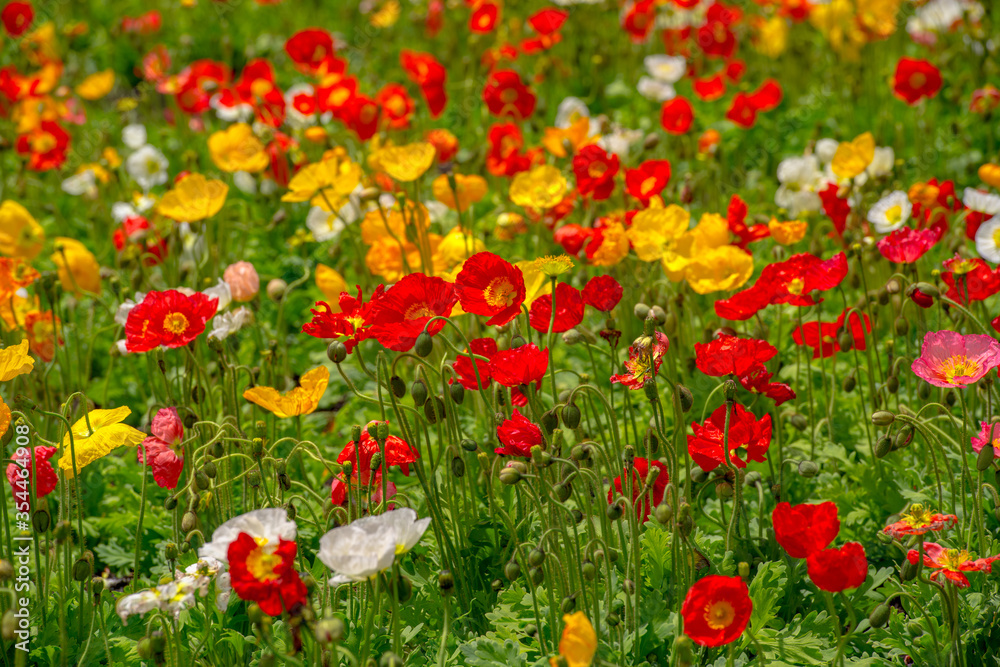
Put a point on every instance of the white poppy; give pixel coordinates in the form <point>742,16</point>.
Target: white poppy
<point>655,89</point>
<point>267,526</point>
<point>668,69</point>
<point>147,167</point>
<point>826,149</point>
<point>134,136</point>
<point>890,212</point>
<point>221,292</point>
<point>226,324</point>
<point>882,163</point>
<point>245,182</point>
<point>362,549</point>
<point>988,240</point>
<point>981,202</point>
<point>324,225</point>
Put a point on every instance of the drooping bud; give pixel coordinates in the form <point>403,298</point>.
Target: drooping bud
<point>397,386</point>
<point>686,398</point>
<point>883,418</point>
<point>985,458</point>
<point>424,345</point>
<point>418,391</point>
<point>808,469</point>
<point>571,416</point>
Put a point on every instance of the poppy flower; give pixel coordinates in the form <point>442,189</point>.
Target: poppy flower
<point>45,145</point>
<point>767,97</point>
<point>918,520</point>
<point>17,17</point>
<point>969,279</point>
<point>491,286</point>
<point>715,37</point>
<point>444,142</point>
<point>463,364</point>
<point>710,88</point>
<point>984,99</point>
<point>578,643</point>
<point>949,359</point>
<point>95,435</point>
<point>602,293</point>
<point>716,610</point>
<point>367,546</point>
<point>595,171</point>
<point>822,336</point>
<point>506,95</point>
<point>677,115</point>
<point>351,322</point>
<point>397,106</point>
<point>403,311</point>
<point>193,199</point>
<point>163,448</point>
<point>484,17</point>
<point>906,245</point>
<point>835,207</point>
<point>302,400</point>
<point>396,453</point>
<point>736,214</point>
<point>806,529</point>
<point>40,474</point>
<point>951,563</point>
<point>504,157</point>
<point>640,469</point>
<point>741,111</point>
<point>42,330</point>
<point>15,361</point>
<point>520,366</point>
<point>569,310</point>
<point>169,318</point>
<point>731,355</point>
<point>428,73</point>
<point>644,358</point>
<point>757,379</point>
<point>915,79</point>
<point>647,180</point>
<point>518,435</point>
<point>745,432</point>
<point>838,569</point>
<point>265,574</point>
<point>337,97</point>
<point>546,24</point>
<point>309,48</point>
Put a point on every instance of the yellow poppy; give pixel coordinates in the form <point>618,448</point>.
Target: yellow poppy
<point>557,140</point>
<point>237,149</point>
<point>299,401</point>
<point>5,417</point>
<point>15,360</point>
<point>326,182</point>
<point>390,225</point>
<point>719,270</point>
<point>772,36</point>
<point>20,233</point>
<point>96,86</point>
<point>541,187</point>
<point>853,157</point>
<point>455,248</point>
<point>553,265</point>
<point>469,190</point>
<point>406,163</point>
<point>385,258</point>
<point>194,198</point>
<point>331,284</point>
<point>95,435</point>
<point>78,268</point>
<point>536,283</point>
<point>787,233</point>
<point>614,245</point>
<point>578,643</point>
<point>653,229</point>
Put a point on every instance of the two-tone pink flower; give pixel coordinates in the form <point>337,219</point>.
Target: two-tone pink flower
<point>948,359</point>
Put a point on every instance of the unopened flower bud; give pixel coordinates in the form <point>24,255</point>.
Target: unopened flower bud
<point>641,311</point>
<point>685,397</point>
<point>276,289</point>
<point>397,386</point>
<point>571,416</point>
<point>808,469</point>
<point>744,569</point>
<point>512,472</point>
<point>446,581</point>
<point>985,458</point>
<point>729,390</point>
<point>572,337</point>
<point>424,345</point>
<point>883,418</point>
<point>336,352</point>
<point>418,391</point>
<point>41,520</point>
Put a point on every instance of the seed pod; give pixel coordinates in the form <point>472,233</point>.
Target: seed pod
<point>531,630</point>
<point>849,383</point>
<point>883,418</point>
<point>202,481</point>
<point>902,327</point>
<point>512,473</point>
<point>883,446</point>
<point>536,557</point>
<point>729,390</point>
<point>83,569</point>
<point>434,410</point>
<point>457,393</point>
<point>512,570</point>
<point>218,450</point>
<point>170,551</point>
<point>879,616</point>
<point>40,521</point>
<point>923,391</point>
<point>336,352</point>
<point>845,341</point>
<point>189,522</point>
<point>397,386</point>
<point>641,311</point>
<point>143,648</point>
<point>613,620</point>
<point>698,475</point>
<point>418,390</point>
<point>571,416</point>
<point>568,604</point>
<point>210,470</point>
<point>253,478</point>
<point>468,445</point>
<point>458,467</point>
<point>724,489</point>
<point>424,345</point>
<point>985,458</point>
<point>808,469</point>
<point>589,571</point>
<point>580,453</point>
<point>614,511</point>
<point>928,289</point>
<point>290,510</point>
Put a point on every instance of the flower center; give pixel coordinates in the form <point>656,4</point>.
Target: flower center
<point>796,285</point>
<point>418,310</point>
<point>918,79</point>
<point>261,564</point>
<point>952,559</point>
<point>152,166</point>
<point>996,238</point>
<point>508,96</point>
<point>958,367</point>
<point>597,169</point>
<point>175,323</point>
<point>894,214</point>
<point>719,614</point>
<point>499,293</point>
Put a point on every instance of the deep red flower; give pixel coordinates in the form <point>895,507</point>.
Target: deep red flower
<point>41,475</point>
<point>362,116</point>
<point>806,529</point>
<point>715,38</point>
<point>952,563</point>
<point>837,208</point>
<point>404,310</point>
<point>396,453</point>
<point>710,88</point>
<point>484,17</point>
<point>644,358</point>
<point>906,245</point>
<point>569,310</point>
<point>163,448</point>
<point>483,347</point>
<point>17,18</point>
<point>425,70</point>
<point>736,215</point>
<point>397,106</point>
<point>822,336</point>
<point>602,293</point>
<point>915,79</point>
<point>491,286</point>
<point>638,19</point>
<point>734,70</point>
<point>791,282</point>
<point>45,146</point>
<point>266,575</point>
<point>351,322</point>
<point>144,24</point>
<point>745,431</point>
<point>309,48</point>
<point>546,23</point>
<point>595,171</point>
<point>572,238</point>
<point>648,179</point>
<point>444,142</point>
<point>506,95</point>
<point>757,379</point>
<point>170,318</point>
<point>677,115</point>
<point>520,366</point>
<point>504,157</point>
<point>716,610</point>
<point>742,111</point>
<point>730,355</point>
<point>518,435</point>
<point>767,96</point>
<point>640,469</point>
<point>337,97</point>
<point>969,279</point>
<point>837,569</point>
<point>136,231</point>
<point>198,82</point>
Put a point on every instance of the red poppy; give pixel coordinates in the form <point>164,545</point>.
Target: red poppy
<point>444,142</point>
<point>425,70</point>
<point>256,88</point>
<point>403,311</point>
<point>716,610</point>
<point>546,23</point>
<point>602,293</point>
<point>984,99</point>
<point>837,208</point>
<point>351,322</point>
<point>396,104</point>
<point>969,279</point>
<point>309,48</point>
<point>648,179</point>
<point>595,171</point>
<point>822,336</point>
<point>520,366</point>
<point>734,70</point>
<point>677,115</point>
<point>918,520</point>
<point>197,83</point>
<point>337,97</point>
<point>170,318</point>
<point>144,24</point>
<point>915,79</point>
<point>363,115</point>
<point>736,215</point>
<point>644,358</point>
<point>45,146</point>
<point>767,97</point>
<point>906,245</point>
<point>17,18</point>
<point>638,19</point>
<point>806,529</point>
<point>757,379</point>
<point>518,435</point>
<point>491,286</point>
<point>395,453</point>
<point>506,95</point>
<point>266,575</point>
<point>572,238</point>
<point>710,88</point>
<point>924,300</point>
<point>791,282</point>
<point>640,469</point>
<point>952,563</point>
<point>742,111</point>
<point>40,474</point>
<point>484,18</point>
<point>483,347</point>
<point>504,157</point>
<point>837,569</point>
<point>163,448</point>
<point>745,432</point>
<point>715,38</point>
<point>569,310</point>
<point>137,233</point>
<point>730,355</point>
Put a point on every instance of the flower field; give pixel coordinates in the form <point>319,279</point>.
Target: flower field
<point>533,333</point>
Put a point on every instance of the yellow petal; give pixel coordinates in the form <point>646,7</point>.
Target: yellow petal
<point>96,86</point>
<point>787,233</point>
<point>407,163</point>
<point>579,641</point>
<point>104,434</point>
<point>540,188</point>
<point>195,198</point>
<point>654,228</point>
<point>5,417</point>
<point>853,157</point>
<point>237,149</point>
<point>15,360</point>
<point>331,284</point>
<point>301,400</point>
<point>719,270</point>
<point>79,270</point>
<point>20,233</point>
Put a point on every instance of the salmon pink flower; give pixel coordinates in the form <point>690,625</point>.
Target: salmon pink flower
<point>489,285</point>
<point>951,563</point>
<point>838,569</point>
<point>518,435</point>
<point>918,520</point>
<point>640,469</point>
<point>949,359</point>
<point>243,281</point>
<point>163,448</point>
<point>746,432</point>
<point>806,529</point>
<point>716,610</point>
<point>906,245</point>
<point>170,318</point>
